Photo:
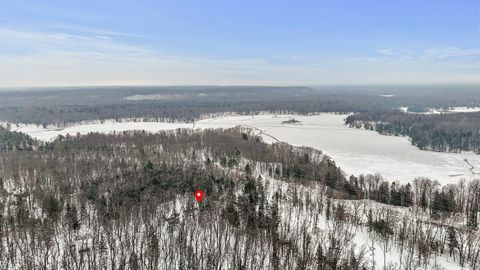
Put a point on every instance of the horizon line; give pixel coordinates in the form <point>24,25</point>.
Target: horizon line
<point>237,85</point>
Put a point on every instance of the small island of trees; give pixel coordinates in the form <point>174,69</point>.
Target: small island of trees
<point>291,121</point>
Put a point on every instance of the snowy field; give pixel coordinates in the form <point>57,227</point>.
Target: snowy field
<point>444,111</point>
<point>356,151</point>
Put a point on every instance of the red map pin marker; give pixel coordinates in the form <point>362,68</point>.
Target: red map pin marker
<point>198,195</point>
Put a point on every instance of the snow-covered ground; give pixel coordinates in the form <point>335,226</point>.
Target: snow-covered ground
<point>356,151</point>
<point>448,110</point>
<point>457,110</point>
<point>466,109</point>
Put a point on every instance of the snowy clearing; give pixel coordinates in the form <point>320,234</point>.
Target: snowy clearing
<point>444,111</point>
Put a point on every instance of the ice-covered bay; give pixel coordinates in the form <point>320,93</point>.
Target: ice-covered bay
<point>355,151</point>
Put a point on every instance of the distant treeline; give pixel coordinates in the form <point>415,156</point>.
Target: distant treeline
<point>453,132</point>
<point>61,106</point>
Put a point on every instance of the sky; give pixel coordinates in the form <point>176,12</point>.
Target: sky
<point>230,42</point>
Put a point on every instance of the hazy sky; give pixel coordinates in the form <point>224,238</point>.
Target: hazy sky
<point>103,42</point>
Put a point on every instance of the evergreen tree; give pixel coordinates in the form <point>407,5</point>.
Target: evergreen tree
<point>407,195</point>
<point>423,200</point>
<point>327,211</point>
<point>72,217</point>
<point>275,221</point>
<point>452,239</point>
<point>320,258</point>
<point>370,220</point>
<point>248,169</point>
<point>330,180</point>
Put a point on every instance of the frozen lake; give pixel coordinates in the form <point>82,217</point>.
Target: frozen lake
<point>355,151</point>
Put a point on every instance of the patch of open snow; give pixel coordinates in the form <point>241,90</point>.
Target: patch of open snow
<point>445,111</point>
<point>464,109</point>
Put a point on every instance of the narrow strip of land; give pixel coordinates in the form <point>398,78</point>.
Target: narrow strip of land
<point>472,168</point>
<point>262,132</point>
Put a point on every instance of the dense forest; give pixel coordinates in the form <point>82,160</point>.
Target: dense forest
<point>452,132</point>
<point>15,141</point>
<point>69,105</point>
<point>124,201</point>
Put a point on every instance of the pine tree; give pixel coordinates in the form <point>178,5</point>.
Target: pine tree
<point>231,214</point>
<point>353,264</point>
<point>472,216</point>
<point>370,220</point>
<point>330,180</point>
<point>133,262</point>
<point>248,169</point>
<point>452,239</point>
<point>275,221</point>
<point>72,217</point>
<point>407,196</point>
<point>327,211</point>
<point>320,258</point>
<point>423,200</point>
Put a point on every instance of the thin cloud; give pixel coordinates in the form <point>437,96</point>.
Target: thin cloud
<point>450,52</point>
<point>39,42</point>
<point>97,32</point>
<point>386,51</point>
<point>56,58</point>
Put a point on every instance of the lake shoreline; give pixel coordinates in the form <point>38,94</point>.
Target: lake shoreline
<point>356,151</point>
